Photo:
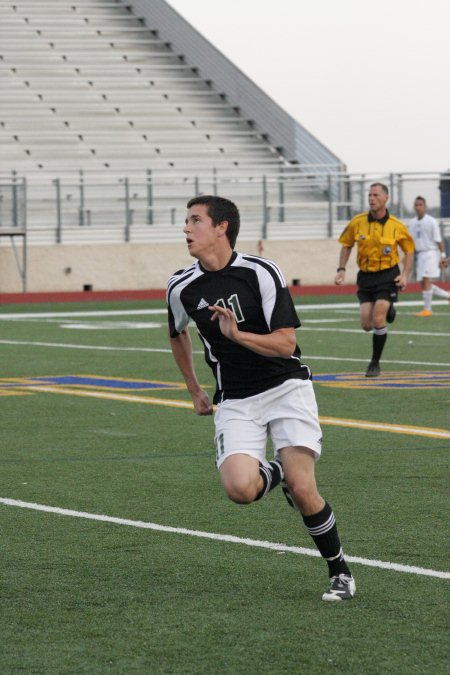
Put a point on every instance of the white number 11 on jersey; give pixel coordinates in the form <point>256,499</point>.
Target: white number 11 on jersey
<point>233,301</point>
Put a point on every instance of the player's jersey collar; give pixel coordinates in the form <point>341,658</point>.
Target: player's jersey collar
<point>229,263</point>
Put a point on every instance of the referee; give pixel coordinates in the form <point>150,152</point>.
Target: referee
<point>378,235</point>
<point>246,321</point>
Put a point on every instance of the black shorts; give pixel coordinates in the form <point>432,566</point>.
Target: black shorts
<point>377,285</point>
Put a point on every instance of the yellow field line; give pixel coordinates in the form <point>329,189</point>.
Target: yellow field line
<point>172,403</point>
<point>391,428</point>
<point>13,392</point>
<point>110,396</point>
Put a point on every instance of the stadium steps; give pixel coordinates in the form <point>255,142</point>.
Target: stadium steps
<point>89,90</point>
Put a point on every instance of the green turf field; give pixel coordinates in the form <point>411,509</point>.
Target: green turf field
<point>122,554</point>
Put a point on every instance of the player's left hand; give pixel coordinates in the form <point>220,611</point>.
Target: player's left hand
<point>227,320</point>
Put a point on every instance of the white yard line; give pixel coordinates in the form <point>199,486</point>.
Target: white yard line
<point>163,310</point>
<point>396,361</point>
<point>229,538</point>
<point>105,348</point>
<point>84,313</point>
<point>334,329</point>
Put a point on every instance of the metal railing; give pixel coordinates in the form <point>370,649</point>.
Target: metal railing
<point>293,203</point>
<point>13,220</point>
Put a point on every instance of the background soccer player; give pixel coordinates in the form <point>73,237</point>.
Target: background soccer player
<point>430,254</point>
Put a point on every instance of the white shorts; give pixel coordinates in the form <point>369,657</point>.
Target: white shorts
<point>427,265</point>
<point>287,414</point>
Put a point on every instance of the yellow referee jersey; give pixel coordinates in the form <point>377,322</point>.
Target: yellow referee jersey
<point>377,241</point>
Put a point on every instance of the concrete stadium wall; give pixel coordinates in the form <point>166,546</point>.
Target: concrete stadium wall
<point>61,268</point>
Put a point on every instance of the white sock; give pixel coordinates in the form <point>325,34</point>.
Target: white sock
<point>427,295</point>
<point>441,292</point>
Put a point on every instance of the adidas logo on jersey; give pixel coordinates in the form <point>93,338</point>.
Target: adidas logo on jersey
<point>202,304</point>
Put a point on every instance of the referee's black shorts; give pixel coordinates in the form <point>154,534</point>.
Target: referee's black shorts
<point>374,286</point>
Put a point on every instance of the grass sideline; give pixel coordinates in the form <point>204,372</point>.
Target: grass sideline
<point>82,596</point>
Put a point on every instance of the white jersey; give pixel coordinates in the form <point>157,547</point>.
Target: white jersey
<point>426,233</point>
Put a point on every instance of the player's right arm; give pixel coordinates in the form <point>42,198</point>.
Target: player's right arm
<point>347,241</point>
<point>181,346</point>
<point>343,260</point>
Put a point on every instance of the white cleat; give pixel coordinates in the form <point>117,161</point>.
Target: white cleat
<point>342,587</point>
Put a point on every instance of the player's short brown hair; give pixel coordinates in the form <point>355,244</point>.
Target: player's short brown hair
<point>220,209</point>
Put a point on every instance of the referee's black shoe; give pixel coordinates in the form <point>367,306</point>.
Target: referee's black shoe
<point>390,316</point>
<point>373,369</point>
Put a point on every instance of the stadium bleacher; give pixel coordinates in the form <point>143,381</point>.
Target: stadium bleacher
<point>94,100</point>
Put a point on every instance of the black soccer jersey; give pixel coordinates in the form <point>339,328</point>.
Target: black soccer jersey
<point>255,289</point>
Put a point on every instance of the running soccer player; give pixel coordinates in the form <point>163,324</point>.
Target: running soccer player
<point>377,235</point>
<point>246,321</point>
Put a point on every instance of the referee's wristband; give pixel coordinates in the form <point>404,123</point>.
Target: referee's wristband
<point>443,255</point>
<point>340,269</point>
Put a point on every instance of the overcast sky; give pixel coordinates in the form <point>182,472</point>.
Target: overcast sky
<point>369,79</point>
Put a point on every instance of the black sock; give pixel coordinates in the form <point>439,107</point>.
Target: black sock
<point>271,476</point>
<point>379,337</point>
<point>322,528</point>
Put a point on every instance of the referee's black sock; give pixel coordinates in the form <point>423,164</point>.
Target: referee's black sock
<point>379,337</point>
<point>271,476</point>
<point>322,528</point>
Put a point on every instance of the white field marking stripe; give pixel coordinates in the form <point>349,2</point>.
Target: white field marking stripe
<point>232,539</point>
<point>355,305</point>
<point>339,319</point>
<point>336,421</point>
<point>199,351</point>
<point>99,347</point>
<point>334,329</point>
<point>163,310</point>
<point>86,313</point>
<point>410,363</point>
<point>306,325</point>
